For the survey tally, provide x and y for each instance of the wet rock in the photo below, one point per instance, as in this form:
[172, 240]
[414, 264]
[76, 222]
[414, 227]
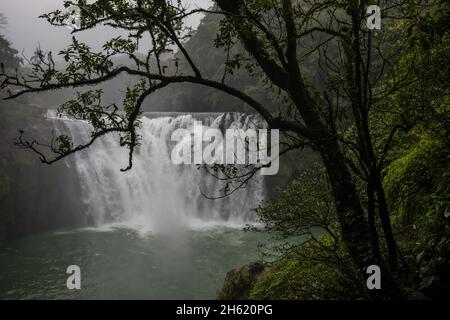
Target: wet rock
[239, 282]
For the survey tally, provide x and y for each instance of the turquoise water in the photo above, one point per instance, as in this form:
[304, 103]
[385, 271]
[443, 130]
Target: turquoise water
[124, 264]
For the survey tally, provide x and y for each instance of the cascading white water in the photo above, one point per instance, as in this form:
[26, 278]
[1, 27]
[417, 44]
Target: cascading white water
[157, 195]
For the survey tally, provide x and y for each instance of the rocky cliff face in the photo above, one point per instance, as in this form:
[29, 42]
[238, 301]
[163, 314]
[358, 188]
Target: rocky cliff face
[34, 197]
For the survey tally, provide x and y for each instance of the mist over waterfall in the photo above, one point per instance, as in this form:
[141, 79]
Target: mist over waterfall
[157, 195]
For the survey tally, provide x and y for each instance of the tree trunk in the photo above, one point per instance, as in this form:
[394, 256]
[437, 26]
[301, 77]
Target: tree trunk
[383, 212]
[372, 221]
[355, 228]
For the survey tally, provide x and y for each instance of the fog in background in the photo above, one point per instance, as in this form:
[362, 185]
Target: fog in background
[26, 31]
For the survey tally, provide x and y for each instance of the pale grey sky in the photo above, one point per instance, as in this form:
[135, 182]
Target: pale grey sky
[25, 30]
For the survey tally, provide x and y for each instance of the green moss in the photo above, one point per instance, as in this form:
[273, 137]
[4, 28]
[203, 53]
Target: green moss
[409, 180]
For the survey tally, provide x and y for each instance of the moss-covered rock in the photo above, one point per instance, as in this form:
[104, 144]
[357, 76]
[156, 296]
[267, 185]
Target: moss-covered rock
[239, 282]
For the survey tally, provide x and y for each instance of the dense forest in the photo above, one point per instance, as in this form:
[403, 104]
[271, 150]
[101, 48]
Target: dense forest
[364, 116]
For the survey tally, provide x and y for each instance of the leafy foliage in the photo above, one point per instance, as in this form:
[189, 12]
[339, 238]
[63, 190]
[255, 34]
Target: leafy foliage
[303, 208]
[313, 271]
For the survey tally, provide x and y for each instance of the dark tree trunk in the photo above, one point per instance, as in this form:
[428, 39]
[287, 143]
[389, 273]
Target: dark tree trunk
[355, 229]
[383, 212]
[372, 221]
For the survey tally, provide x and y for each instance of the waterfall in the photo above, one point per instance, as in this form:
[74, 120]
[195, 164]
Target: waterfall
[157, 195]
